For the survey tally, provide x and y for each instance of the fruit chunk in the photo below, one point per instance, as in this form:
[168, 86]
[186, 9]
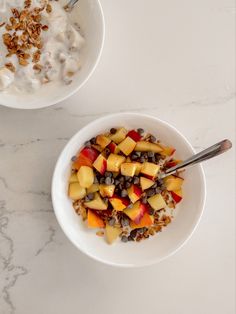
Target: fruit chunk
[103, 141]
[157, 202]
[167, 151]
[134, 193]
[73, 178]
[146, 221]
[85, 158]
[106, 190]
[100, 164]
[119, 203]
[177, 195]
[136, 212]
[146, 183]
[93, 188]
[113, 148]
[94, 221]
[172, 163]
[134, 135]
[85, 176]
[96, 203]
[76, 191]
[144, 146]
[114, 162]
[127, 146]
[138, 167]
[150, 169]
[119, 136]
[112, 233]
[128, 169]
[173, 183]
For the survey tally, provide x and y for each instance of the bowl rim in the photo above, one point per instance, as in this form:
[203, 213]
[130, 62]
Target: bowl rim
[154, 260]
[87, 77]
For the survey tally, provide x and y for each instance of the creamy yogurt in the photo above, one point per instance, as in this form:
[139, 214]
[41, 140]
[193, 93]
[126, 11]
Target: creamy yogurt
[60, 53]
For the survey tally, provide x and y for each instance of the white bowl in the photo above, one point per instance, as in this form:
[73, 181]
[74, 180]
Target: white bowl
[89, 15]
[155, 248]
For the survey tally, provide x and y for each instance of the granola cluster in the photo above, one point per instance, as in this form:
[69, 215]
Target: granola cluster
[23, 36]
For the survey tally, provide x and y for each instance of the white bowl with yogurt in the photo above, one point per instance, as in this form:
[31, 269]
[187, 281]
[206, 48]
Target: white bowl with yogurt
[71, 45]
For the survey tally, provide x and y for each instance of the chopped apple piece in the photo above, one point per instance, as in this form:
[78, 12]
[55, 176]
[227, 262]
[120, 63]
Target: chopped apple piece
[93, 188]
[113, 148]
[146, 221]
[167, 151]
[112, 233]
[157, 202]
[138, 167]
[128, 169]
[106, 190]
[96, 203]
[76, 191]
[114, 162]
[150, 170]
[94, 221]
[177, 195]
[85, 176]
[127, 146]
[134, 135]
[134, 193]
[173, 183]
[103, 141]
[146, 183]
[73, 178]
[144, 146]
[136, 212]
[119, 136]
[100, 164]
[85, 158]
[119, 203]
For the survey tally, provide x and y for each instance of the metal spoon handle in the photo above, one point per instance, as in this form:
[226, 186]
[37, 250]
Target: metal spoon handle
[69, 6]
[208, 153]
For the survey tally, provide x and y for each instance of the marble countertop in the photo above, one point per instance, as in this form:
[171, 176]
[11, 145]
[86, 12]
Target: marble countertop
[171, 59]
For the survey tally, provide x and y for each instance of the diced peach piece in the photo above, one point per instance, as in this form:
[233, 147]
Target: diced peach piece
[157, 202]
[112, 233]
[96, 203]
[73, 178]
[97, 147]
[76, 191]
[119, 203]
[136, 212]
[138, 167]
[143, 146]
[172, 163]
[113, 148]
[167, 150]
[85, 158]
[127, 146]
[134, 135]
[128, 159]
[177, 195]
[128, 169]
[100, 164]
[173, 183]
[119, 136]
[150, 169]
[106, 190]
[146, 183]
[146, 221]
[114, 162]
[94, 221]
[134, 193]
[93, 188]
[85, 176]
[103, 141]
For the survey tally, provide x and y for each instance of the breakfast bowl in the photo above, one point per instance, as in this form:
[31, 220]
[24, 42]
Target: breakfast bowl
[131, 254]
[64, 73]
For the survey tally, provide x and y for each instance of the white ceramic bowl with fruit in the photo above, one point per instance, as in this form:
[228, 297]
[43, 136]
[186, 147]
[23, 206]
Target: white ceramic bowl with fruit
[137, 210]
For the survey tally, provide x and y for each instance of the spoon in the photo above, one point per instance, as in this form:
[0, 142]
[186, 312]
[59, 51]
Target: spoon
[208, 153]
[69, 6]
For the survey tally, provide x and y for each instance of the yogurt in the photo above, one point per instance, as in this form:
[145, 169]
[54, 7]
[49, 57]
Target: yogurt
[60, 53]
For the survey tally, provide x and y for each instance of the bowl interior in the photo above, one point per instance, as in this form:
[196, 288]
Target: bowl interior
[88, 14]
[132, 253]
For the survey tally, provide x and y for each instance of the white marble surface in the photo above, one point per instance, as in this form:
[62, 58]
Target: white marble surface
[172, 59]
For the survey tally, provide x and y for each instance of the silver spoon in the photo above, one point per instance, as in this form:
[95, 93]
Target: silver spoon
[208, 153]
[69, 6]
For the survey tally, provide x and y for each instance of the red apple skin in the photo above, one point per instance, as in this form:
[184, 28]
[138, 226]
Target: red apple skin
[134, 135]
[89, 153]
[177, 198]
